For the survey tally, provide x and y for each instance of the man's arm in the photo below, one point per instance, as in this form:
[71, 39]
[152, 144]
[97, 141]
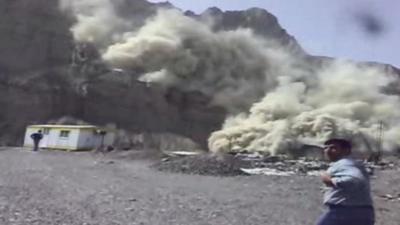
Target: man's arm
[347, 178]
[327, 179]
[346, 182]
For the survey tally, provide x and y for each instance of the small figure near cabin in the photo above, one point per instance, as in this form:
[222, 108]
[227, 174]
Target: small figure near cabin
[348, 196]
[36, 137]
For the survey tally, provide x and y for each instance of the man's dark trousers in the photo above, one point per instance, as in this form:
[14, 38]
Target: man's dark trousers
[36, 145]
[348, 216]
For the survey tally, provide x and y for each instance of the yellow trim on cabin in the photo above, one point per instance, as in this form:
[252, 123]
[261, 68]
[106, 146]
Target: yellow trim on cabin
[61, 148]
[59, 128]
[66, 129]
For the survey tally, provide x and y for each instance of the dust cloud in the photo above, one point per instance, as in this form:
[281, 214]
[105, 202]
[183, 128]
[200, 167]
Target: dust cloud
[346, 101]
[276, 100]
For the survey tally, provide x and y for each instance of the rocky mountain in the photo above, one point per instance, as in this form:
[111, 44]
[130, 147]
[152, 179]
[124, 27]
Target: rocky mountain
[41, 80]
[39, 83]
[259, 20]
[34, 36]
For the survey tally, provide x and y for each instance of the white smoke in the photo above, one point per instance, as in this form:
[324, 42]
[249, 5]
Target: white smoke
[185, 53]
[276, 101]
[345, 101]
[96, 21]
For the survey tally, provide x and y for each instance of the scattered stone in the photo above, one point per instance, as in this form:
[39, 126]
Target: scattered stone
[387, 197]
[204, 164]
[267, 171]
[181, 153]
[277, 165]
[272, 159]
[390, 197]
[249, 163]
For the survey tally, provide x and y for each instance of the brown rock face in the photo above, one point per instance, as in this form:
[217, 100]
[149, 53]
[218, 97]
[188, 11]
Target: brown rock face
[34, 36]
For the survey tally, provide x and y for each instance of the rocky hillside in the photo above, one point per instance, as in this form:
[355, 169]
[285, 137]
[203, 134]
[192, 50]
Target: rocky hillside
[41, 79]
[259, 20]
[39, 82]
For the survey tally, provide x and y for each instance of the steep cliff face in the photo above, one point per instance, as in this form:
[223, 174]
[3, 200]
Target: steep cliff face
[34, 36]
[35, 46]
[41, 78]
[259, 20]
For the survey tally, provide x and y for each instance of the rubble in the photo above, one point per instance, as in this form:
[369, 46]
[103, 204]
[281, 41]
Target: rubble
[281, 165]
[204, 164]
[382, 165]
[239, 164]
[267, 171]
[181, 153]
[389, 197]
[249, 164]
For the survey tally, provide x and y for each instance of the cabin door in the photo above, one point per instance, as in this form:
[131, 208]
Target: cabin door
[44, 143]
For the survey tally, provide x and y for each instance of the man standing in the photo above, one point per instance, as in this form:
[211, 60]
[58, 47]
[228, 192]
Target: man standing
[348, 197]
[36, 137]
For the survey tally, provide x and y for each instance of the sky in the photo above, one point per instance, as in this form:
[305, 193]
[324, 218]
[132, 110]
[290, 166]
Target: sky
[361, 30]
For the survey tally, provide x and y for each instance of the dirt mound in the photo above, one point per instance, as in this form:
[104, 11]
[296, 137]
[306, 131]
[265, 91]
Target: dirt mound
[135, 154]
[253, 164]
[204, 164]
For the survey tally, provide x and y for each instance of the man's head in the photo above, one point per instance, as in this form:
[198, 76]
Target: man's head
[39, 131]
[336, 149]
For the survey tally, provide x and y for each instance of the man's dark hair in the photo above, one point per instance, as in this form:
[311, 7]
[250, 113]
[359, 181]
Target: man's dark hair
[341, 143]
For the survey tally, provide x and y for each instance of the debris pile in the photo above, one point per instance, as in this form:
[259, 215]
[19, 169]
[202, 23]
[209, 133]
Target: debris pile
[281, 165]
[238, 164]
[389, 197]
[382, 165]
[203, 164]
[249, 164]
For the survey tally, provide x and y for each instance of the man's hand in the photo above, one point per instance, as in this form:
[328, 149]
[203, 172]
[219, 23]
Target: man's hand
[327, 179]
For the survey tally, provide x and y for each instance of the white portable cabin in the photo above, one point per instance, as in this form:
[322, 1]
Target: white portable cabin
[70, 137]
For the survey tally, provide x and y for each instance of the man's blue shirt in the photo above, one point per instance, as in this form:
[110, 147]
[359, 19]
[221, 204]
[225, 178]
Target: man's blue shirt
[351, 184]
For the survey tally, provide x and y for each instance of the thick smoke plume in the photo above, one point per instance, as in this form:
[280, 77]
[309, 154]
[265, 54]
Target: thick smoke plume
[234, 67]
[276, 101]
[96, 21]
[345, 101]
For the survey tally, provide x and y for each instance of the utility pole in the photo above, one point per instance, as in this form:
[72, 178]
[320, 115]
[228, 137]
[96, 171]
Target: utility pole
[379, 147]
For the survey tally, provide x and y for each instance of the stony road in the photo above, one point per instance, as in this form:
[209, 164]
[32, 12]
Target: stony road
[51, 187]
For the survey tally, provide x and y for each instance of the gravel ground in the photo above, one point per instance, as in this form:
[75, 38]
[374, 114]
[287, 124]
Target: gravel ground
[226, 165]
[81, 188]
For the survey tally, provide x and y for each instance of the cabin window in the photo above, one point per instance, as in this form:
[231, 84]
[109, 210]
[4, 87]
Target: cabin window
[64, 134]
